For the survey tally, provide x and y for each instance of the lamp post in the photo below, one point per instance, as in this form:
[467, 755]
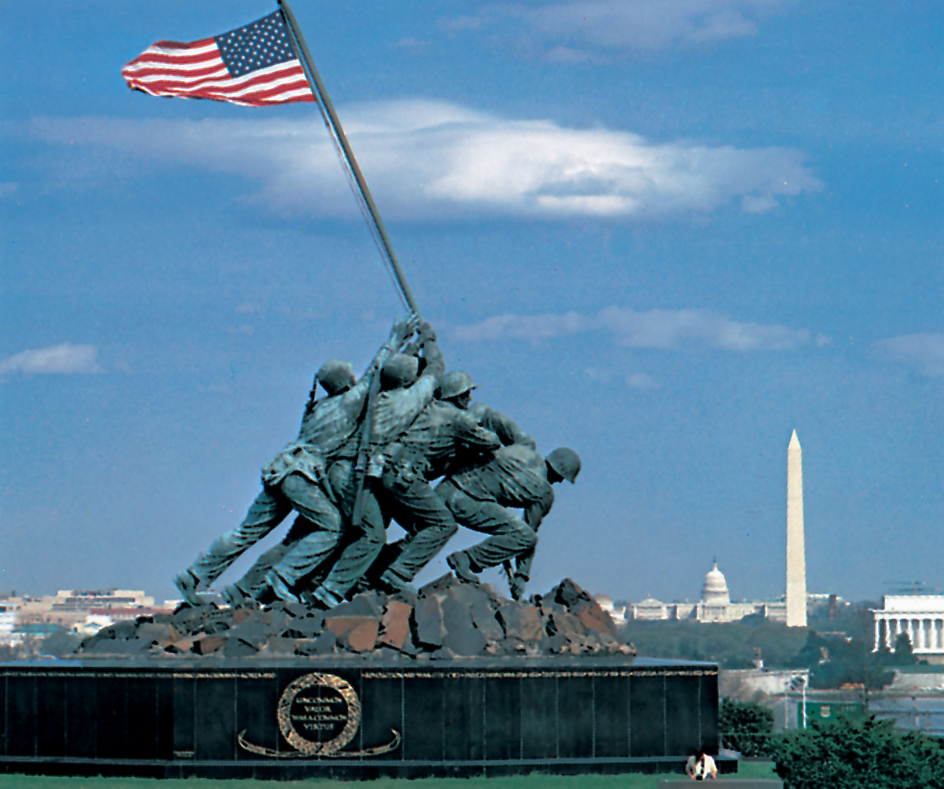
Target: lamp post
[804, 704]
[799, 683]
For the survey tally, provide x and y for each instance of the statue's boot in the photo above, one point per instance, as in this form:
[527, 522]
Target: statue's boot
[280, 588]
[462, 566]
[325, 598]
[186, 582]
[236, 597]
[395, 583]
[516, 587]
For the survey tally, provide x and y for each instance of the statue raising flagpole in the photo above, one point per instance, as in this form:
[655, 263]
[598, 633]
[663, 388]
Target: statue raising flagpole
[370, 449]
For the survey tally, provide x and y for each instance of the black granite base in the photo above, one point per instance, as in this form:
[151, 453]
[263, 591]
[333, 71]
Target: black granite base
[292, 720]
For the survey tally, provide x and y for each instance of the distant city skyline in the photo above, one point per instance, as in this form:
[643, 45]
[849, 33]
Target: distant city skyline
[684, 597]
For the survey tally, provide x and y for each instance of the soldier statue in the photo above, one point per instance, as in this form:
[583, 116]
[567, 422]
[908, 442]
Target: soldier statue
[449, 434]
[295, 480]
[405, 390]
[480, 498]
[441, 435]
[367, 454]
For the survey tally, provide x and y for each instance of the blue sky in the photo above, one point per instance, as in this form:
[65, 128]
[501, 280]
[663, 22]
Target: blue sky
[665, 233]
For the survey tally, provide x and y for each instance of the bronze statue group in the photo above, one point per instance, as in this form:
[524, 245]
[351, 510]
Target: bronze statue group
[368, 453]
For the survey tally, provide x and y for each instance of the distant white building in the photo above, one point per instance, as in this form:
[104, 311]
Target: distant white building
[715, 605]
[92, 624]
[617, 613]
[918, 616]
[105, 599]
[70, 607]
[8, 638]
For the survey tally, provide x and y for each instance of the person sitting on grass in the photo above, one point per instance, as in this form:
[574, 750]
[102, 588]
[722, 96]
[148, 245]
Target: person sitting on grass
[701, 767]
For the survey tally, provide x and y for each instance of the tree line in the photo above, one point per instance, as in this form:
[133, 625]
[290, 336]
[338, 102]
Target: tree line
[837, 651]
[845, 753]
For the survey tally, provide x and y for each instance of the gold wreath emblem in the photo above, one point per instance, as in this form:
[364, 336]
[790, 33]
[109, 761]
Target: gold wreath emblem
[320, 714]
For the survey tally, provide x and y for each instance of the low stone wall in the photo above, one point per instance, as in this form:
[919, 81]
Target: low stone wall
[323, 717]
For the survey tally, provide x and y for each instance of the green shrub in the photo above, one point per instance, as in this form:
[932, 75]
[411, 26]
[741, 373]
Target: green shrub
[858, 754]
[745, 726]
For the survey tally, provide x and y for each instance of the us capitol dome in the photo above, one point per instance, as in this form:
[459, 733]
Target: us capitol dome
[715, 589]
[715, 605]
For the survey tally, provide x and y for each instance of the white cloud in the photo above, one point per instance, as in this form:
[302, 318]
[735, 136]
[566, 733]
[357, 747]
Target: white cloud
[640, 381]
[632, 25]
[662, 329]
[567, 55]
[690, 328]
[64, 359]
[924, 352]
[465, 23]
[601, 375]
[8, 189]
[428, 160]
[414, 45]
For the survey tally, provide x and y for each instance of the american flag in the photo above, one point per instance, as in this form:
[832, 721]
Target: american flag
[253, 65]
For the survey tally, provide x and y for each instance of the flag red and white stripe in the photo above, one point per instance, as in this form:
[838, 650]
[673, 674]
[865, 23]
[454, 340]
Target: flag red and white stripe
[196, 70]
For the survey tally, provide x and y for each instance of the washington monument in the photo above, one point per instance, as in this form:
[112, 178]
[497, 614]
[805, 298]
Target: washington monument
[796, 553]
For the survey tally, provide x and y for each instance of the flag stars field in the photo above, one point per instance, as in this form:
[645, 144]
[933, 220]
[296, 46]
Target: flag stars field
[258, 45]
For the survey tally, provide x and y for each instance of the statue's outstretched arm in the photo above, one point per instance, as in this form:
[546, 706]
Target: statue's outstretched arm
[432, 356]
[402, 330]
[503, 426]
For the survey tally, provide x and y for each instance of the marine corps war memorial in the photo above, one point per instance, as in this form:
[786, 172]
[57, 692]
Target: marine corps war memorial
[325, 658]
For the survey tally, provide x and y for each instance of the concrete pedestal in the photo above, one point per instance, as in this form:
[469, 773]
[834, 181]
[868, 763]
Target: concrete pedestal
[355, 719]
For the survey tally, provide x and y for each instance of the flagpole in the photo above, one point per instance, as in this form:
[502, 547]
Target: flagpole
[321, 94]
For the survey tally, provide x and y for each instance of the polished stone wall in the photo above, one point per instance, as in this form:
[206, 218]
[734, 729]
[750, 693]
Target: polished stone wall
[348, 719]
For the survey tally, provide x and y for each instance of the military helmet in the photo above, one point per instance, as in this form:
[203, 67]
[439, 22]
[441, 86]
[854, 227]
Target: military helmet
[565, 462]
[455, 383]
[398, 371]
[335, 375]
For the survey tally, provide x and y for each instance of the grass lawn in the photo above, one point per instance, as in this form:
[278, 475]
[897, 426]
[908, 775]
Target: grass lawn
[625, 781]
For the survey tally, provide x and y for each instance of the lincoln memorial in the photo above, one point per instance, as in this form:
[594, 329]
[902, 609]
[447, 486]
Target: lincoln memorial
[920, 617]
